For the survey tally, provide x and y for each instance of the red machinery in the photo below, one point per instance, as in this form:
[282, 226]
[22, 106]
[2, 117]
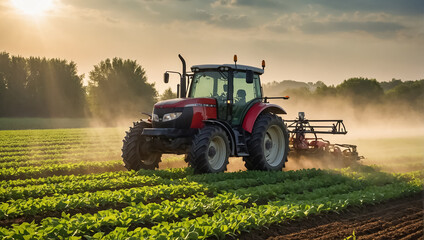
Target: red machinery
[300, 145]
[221, 112]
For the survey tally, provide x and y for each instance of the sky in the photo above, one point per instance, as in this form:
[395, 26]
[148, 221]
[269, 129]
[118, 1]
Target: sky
[308, 40]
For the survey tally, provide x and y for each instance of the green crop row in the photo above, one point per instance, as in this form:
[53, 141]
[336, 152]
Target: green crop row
[64, 149]
[61, 145]
[34, 140]
[29, 144]
[64, 178]
[231, 222]
[101, 198]
[152, 213]
[108, 220]
[46, 162]
[146, 177]
[36, 191]
[63, 184]
[59, 133]
[166, 173]
[87, 200]
[79, 155]
[196, 206]
[59, 169]
[12, 141]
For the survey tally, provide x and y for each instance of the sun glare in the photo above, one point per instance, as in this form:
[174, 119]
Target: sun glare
[33, 7]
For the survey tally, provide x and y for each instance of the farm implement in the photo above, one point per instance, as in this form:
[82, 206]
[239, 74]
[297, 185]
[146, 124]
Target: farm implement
[302, 146]
[220, 112]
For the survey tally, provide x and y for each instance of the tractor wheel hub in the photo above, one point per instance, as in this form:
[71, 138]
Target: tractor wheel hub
[268, 144]
[212, 152]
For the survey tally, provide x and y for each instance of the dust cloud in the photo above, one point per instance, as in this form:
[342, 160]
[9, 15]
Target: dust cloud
[388, 135]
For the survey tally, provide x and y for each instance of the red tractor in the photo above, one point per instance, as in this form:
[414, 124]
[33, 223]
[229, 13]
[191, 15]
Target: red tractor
[220, 113]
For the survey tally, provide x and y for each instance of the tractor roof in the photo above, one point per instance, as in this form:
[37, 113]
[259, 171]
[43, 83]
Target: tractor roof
[232, 66]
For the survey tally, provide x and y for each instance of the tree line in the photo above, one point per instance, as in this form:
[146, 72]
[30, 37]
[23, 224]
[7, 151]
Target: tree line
[118, 88]
[358, 90]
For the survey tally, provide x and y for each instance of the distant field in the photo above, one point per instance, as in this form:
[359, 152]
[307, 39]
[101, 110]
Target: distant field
[70, 184]
[393, 154]
[43, 123]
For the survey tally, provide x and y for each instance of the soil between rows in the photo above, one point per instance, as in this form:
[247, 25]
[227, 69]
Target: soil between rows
[395, 219]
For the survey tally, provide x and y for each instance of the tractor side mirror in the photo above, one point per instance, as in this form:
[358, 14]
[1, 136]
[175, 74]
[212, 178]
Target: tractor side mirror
[249, 76]
[166, 77]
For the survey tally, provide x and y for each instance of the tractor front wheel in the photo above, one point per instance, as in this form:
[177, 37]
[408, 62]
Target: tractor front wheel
[268, 145]
[135, 150]
[210, 150]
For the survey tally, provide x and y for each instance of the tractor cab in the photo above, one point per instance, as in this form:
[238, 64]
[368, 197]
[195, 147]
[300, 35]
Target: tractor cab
[235, 88]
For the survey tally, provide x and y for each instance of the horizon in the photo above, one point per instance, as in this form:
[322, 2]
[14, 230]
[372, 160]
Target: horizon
[306, 42]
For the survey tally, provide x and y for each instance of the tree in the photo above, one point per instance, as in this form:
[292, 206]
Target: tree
[389, 85]
[17, 100]
[325, 91]
[118, 89]
[54, 88]
[4, 72]
[168, 94]
[410, 92]
[361, 89]
[40, 87]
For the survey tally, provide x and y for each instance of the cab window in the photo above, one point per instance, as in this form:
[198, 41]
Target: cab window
[211, 84]
[244, 93]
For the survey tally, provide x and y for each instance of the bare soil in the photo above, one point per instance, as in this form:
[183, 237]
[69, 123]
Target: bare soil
[396, 219]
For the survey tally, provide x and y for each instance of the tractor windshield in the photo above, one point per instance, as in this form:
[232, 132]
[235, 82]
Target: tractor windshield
[209, 84]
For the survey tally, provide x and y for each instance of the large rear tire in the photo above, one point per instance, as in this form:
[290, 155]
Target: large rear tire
[268, 145]
[210, 150]
[135, 150]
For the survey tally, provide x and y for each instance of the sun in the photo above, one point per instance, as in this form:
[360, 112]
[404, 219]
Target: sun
[33, 7]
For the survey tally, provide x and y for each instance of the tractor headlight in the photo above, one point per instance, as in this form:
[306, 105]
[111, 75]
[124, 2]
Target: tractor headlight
[155, 117]
[171, 116]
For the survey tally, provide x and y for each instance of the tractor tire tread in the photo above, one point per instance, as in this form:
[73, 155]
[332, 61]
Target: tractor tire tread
[130, 154]
[197, 156]
[256, 160]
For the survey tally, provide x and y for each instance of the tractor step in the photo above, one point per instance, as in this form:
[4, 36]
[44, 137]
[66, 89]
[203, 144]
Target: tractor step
[241, 147]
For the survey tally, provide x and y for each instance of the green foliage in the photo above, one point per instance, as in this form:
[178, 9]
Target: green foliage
[168, 94]
[411, 92]
[390, 85]
[358, 91]
[231, 210]
[361, 89]
[163, 204]
[118, 88]
[40, 87]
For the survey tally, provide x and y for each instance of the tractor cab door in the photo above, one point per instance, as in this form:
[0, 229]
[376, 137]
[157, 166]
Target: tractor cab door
[213, 84]
[244, 95]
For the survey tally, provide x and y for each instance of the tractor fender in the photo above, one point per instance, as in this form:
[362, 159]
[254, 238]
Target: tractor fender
[227, 128]
[258, 108]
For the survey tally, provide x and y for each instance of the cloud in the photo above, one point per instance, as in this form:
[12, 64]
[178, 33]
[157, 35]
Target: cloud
[346, 26]
[231, 21]
[404, 7]
[259, 4]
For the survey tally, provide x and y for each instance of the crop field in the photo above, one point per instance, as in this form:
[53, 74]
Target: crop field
[70, 184]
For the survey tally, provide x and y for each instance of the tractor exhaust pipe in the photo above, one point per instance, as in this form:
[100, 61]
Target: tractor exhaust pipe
[183, 87]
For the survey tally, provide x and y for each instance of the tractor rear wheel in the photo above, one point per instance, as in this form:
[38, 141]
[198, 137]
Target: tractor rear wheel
[268, 145]
[210, 150]
[135, 151]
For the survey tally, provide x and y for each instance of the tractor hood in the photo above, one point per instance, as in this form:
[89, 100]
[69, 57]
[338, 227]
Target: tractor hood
[186, 102]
